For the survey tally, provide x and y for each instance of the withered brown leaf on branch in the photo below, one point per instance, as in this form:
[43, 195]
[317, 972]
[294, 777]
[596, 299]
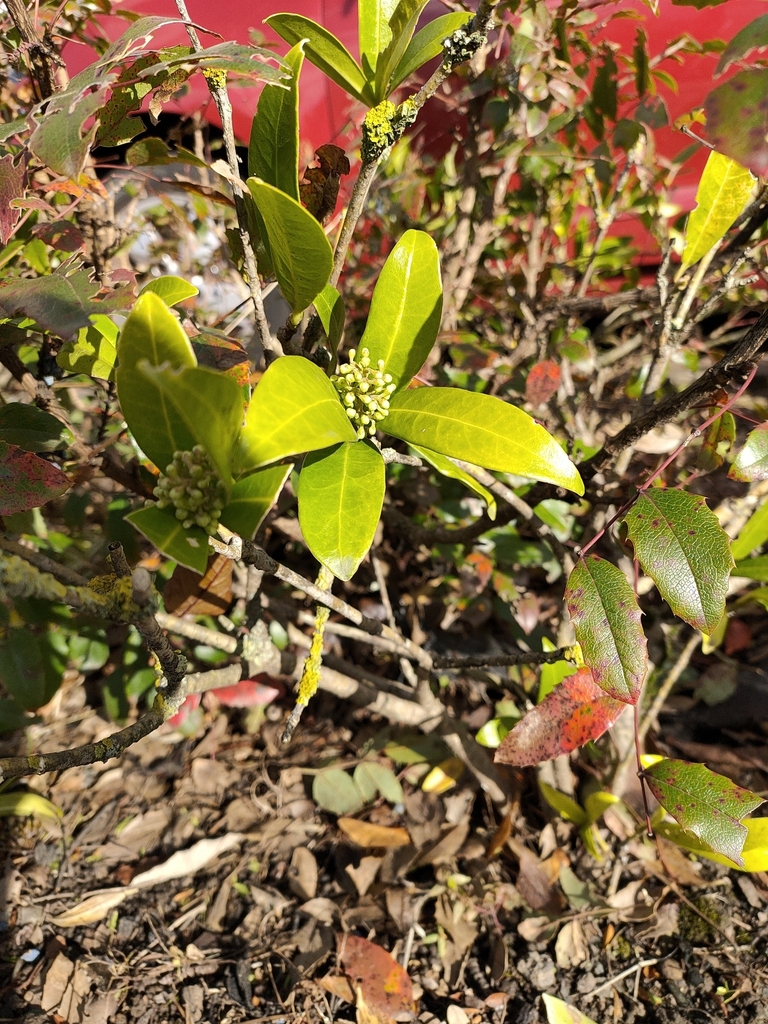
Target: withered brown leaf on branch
[320, 187]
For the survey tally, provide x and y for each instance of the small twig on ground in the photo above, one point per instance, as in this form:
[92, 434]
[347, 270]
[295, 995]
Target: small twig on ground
[620, 977]
[501, 660]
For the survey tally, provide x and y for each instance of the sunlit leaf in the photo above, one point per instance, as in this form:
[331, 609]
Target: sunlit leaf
[751, 464]
[23, 804]
[559, 1012]
[606, 620]
[330, 308]
[334, 791]
[171, 289]
[563, 804]
[754, 853]
[252, 497]
[426, 45]
[161, 527]
[752, 568]
[59, 303]
[325, 51]
[94, 352]
[401, 23]
[724, 190]
[382, 986]
[449, 468]
[753, 534]
[542, 382]
[683, 548]
[273, 152]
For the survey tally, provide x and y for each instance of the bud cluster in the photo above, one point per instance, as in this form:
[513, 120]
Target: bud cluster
[365, 391]
[191, 486]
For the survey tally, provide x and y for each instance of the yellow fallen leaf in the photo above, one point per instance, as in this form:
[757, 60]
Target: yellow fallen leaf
[444, 776]
[369, 836]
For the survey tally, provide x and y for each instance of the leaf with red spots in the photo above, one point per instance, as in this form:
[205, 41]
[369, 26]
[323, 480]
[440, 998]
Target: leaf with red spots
[542, 382]
[702, 802]
[751, 464]
[381, 985]
[606, 620]
[27, 481]
[683, 548]
[737, 119]
[572, 714]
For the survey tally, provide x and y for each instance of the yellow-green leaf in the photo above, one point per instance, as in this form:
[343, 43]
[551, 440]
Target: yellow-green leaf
[559, 1012]
[25, 805]
[724, 190]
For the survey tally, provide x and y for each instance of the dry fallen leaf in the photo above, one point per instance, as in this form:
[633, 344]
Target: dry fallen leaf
[94, 908]
[371, 837]
[302, 874]
[383, 989]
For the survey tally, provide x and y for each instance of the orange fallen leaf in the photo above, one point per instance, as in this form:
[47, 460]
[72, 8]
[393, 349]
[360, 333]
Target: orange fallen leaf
[383, 989]
[369, 836]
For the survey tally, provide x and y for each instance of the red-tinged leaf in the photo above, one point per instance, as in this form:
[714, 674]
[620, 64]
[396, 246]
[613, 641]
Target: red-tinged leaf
[737, 119]
[384, 986]
[683, 548]
[27, 481]
[572, 714]
[542, 382]
[186, 594]
[12, 181]
[249, 693]
[226, 354]
[751, 463]
[191, 703]
[606, 619]
[702, 802]
[61, 235]
[58, 303]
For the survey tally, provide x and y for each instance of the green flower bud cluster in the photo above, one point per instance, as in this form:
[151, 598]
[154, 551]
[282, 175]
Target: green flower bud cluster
[365, 391]
[191, 486]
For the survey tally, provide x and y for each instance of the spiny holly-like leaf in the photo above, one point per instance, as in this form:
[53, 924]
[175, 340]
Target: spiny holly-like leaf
[12, 180]
[751, 463]
[723, 192]
[575, 712]
[606, 619]
[707, 804]
[542, 382]
[27, 481]
[686, 552]
[737, 119]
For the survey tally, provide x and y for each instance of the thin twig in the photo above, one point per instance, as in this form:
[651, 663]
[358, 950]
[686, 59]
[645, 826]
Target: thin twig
[620, 977]
[500, 660]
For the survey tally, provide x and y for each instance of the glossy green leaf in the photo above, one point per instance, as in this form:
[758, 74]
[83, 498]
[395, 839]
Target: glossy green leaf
[294, 409]
[752, 568]
[737, 119]
[330, 308]
[426, 45]
[334, 791]
[449, 468]
[483, 430]
[252, 497]
[754, 853]
[683, 548]
[559, 1012]
[606, 620]
[27, 481]
[161, 528]
[707, 804]
[724, 190]
[23, 804]
[171, 289]
[751, 464]
[563, 804]
[209, 403]
[273, 151]
[753, 534]
[30, 668]
[402, 24]
[153, 333]
[94, 352]
[406, 307]
[30, 429]
[325, 51]
[341, 492]
[374, 33]
[300, 253]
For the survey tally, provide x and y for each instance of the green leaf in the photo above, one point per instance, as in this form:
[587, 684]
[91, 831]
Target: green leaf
[707, 804]
[12, 717]
[30, 428]
[171, 289]
[23, 804]
[426, 45]
[330, 308]
[95, 350]
[483, 430]
[294, 409]
[374, 33]
[334, 791]
[596, 804]
[553, 674]
[372, 778]
[30, 668]
[606, 620]
[406, 307]
[153, 333]
[300, 253]
[209, 403]
[449, 468]
[752, 568]
[252, 497]
[154, 152]
[27, 481]
[737, 123]
[753, 534]
[402, 25]
[341, 492]
[751, 464]
[161, 528]
[752, 36]
[686, 552]
[273, 151]
[564, 805]
[724, 190]
[61, 141]
[698, 4]
[325, 51]
[559, 1012]
[754, 854]
[58, 303]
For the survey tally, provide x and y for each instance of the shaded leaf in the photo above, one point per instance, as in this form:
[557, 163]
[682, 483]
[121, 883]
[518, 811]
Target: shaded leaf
[683, 548]
[161, 528]
[61, 235]
[294, 409]
[218, 351]
[563, 804]
[93, 908]
[334, 791]
[606, 620]
[373, 778]
[252, 497]
[273, 151]
[30, 668]
[377, 979]
[483, 430]
[753, 534]
[341, 492]
[94, 352]
[426, 45]
[330, 308]
[171, 289]
[240, 58]
[12, 182]
[27, 481]
[61, 141]
[449, 468]
[575, 712]
[542, 382]
[56, 302]
[30, 428]
[751, 464]
[737, 119]
[702, 802]
[325, 51]
[724, 190]
[155, 152]
[698, 4]
[12, 716]
[752, 568]
[186, 594]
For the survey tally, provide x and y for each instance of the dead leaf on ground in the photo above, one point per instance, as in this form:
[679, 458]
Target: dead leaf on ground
[94, 908]
[537, 882]
[382, 987]
[372, 837]
[364, 875]
[302, 874]
[571, 947]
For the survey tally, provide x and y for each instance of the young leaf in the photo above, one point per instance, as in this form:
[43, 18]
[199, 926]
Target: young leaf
[95, 350]
[737, 123]
[606, 620]
[161, 527]
[30, 428]
[426, 45]
[686, 552]
[724, 190]
[752, 568]
[171, 289]
[707, 804]
[564, 805]
[341, 491]
[299, 251]
[406, 307]
[325, 51]
[753, 534]
[330, 308]
[402, 24]
[294, 409]
[449, 468]
[251, 499]
[374, 33]
[559, 1012]
[483, 430]
[273, 151]
[27, 481]
[574, 713]
[751, 464]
